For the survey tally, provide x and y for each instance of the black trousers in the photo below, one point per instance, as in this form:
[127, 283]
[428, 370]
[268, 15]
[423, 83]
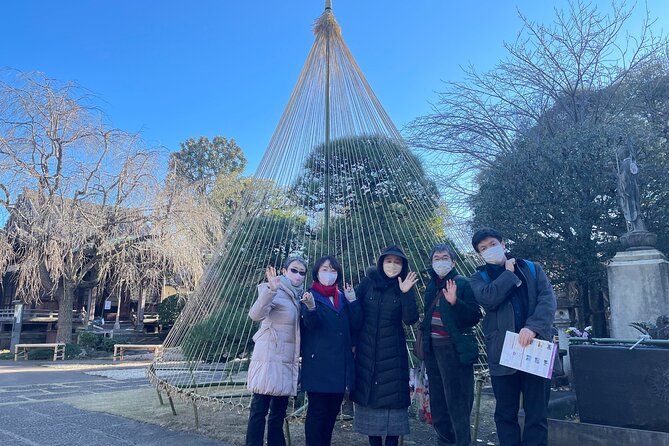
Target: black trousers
[451, 387]
[255, 430]
[321, 417]
[378, 441]
[535, 403]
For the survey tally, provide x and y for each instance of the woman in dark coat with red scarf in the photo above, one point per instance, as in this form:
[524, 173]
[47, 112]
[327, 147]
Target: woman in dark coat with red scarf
[328, 319]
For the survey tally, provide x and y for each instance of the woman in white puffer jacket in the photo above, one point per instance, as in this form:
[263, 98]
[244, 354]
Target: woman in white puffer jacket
[274, 367]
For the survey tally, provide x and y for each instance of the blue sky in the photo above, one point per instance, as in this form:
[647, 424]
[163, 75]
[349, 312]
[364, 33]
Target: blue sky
[175, 69]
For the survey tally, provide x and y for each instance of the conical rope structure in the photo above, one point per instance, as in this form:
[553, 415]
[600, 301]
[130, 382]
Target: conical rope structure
[337, 178]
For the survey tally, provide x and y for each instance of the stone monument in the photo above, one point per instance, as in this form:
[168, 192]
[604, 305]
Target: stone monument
[638, 276]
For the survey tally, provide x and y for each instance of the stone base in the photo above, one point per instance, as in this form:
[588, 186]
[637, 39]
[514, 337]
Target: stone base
[570, 433]
[638, 289]
[638, 240]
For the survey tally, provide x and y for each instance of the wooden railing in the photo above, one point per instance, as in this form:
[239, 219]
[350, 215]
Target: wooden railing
[7, 314]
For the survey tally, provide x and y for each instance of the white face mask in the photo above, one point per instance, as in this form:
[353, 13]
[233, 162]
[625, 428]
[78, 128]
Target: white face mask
[442, 267]
[327, 278]
[494, 255]
[392, 269]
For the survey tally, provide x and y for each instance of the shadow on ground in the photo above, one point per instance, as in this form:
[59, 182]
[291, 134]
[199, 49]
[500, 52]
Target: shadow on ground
[229, 425]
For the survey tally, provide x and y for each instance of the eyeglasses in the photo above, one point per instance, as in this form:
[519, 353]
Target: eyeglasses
[301, 273]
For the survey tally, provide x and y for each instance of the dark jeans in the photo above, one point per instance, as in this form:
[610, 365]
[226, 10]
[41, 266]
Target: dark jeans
[321, 417]
[255, 431]
[535, 403]
[451, 389]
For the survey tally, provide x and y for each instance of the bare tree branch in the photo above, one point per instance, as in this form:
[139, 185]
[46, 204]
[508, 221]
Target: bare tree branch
[83, 200]
[548, 67]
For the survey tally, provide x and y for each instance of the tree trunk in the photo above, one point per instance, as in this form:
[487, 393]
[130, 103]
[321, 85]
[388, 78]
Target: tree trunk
[93, 303]
[117, 324]
[86, 309]
[65, 305]
[141, 302]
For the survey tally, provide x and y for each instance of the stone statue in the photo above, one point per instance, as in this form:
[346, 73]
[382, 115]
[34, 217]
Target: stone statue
[628, 189]
[637, 236]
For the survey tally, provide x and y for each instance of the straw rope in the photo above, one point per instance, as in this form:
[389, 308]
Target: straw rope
[377, 192]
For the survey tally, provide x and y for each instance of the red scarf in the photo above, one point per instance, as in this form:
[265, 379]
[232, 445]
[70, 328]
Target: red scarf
[328, 291]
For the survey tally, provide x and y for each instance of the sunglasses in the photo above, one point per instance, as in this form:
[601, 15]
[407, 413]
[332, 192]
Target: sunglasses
[294, 271]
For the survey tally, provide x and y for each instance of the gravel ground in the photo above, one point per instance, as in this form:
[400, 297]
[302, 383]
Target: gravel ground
[229, 424]
[122, 389]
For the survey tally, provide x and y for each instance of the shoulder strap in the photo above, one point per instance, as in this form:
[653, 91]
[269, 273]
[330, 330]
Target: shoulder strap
[532, 267]
[434, 304]
[428, 310]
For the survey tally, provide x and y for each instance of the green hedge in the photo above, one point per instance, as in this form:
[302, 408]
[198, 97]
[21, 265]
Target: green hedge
[224, 335]
[170, 309]
[99, 342]
[41, 354]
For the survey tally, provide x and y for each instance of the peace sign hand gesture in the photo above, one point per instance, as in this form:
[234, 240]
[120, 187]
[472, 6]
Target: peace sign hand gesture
[308, 300]
[406, 284]
[349, 292]
[272, 278]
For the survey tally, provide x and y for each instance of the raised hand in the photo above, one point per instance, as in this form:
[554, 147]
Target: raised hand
[272, 278]
[510, 264]
[349, 292]
[450, 292]
[308, 300]
[406, 284]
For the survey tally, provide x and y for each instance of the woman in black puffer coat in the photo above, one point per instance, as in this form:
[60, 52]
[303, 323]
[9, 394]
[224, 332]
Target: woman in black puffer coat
[382, 364]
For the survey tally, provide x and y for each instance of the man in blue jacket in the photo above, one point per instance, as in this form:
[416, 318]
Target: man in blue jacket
[517, 297]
